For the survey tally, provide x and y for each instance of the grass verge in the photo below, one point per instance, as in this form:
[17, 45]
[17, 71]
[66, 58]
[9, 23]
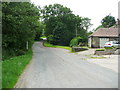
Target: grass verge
[98, 57]
[12, 69]
[95, 57]
[100, 49]
[46, 44]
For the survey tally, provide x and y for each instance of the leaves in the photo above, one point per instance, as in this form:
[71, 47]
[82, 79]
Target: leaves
[19, 23]
[108, 21]
[62, 24]
[75, 41]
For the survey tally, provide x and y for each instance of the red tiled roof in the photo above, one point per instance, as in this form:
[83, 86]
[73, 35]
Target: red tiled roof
[106, 32]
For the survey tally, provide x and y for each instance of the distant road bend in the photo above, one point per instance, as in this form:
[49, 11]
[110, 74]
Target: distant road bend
[57, 68]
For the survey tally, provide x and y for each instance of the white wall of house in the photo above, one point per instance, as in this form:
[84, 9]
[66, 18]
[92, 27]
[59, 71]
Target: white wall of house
[95, 42]
[100, 41]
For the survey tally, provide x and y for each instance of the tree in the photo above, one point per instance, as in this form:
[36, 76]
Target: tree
[39, 31]
[20, 20]
[54, 11]
[86, 23]
[75, 41]
[62, 25]
[108, 21]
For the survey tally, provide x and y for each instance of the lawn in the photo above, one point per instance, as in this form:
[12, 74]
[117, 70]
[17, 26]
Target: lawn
[12, 69]
[100, 49]
[46, 44]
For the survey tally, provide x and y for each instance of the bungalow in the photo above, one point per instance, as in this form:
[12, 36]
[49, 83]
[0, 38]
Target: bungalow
[102, 35]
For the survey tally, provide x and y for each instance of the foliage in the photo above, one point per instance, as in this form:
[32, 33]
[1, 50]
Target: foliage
[89, 33]
[75, 41]
[86, 23]
[62, 24]
[54, 11]
[50, 38]
[13, 67]
[46, 44]
[108, 21]
[20, 21]
[39, 31]
[43, 37]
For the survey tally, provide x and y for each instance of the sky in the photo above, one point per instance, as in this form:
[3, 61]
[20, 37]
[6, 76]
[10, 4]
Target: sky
[93, 9]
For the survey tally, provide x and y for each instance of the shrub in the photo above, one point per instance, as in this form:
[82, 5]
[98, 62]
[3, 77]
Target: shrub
[75, 41]
[20, 52]
[7, 53]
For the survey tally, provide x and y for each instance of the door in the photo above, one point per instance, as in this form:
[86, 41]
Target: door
[103, 41]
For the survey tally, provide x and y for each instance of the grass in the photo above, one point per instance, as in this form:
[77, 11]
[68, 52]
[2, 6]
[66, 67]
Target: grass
[12, 69]
[95, 57]
[46, 44]
[100, 49]
[109, 47]
[101, 57]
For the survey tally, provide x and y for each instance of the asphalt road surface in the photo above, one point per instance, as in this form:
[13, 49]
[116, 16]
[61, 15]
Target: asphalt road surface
[57, 68]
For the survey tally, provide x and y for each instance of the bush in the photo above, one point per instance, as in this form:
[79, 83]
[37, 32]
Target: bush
[75, 41]
[7, 53]
[20, 52]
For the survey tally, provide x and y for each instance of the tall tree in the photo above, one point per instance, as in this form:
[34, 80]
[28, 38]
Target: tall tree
[108, 21]
[20, 20]
[62, 25]
[54, 11]
[86, 23]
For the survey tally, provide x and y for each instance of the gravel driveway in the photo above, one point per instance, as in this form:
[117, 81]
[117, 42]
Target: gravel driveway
[57, 68]
[107, 61]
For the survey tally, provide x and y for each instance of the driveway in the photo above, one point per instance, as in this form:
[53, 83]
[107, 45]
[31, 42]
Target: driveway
[107, 61]
[57, 68]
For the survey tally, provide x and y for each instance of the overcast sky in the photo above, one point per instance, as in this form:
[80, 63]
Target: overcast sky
[93, 9]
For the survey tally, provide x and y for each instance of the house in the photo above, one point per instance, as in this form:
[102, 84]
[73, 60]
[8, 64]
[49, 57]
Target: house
[102, 35]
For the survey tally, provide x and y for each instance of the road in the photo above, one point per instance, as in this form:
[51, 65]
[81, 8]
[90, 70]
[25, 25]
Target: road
[57, 68]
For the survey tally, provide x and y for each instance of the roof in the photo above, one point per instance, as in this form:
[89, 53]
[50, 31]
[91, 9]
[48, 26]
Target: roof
[106, 32]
